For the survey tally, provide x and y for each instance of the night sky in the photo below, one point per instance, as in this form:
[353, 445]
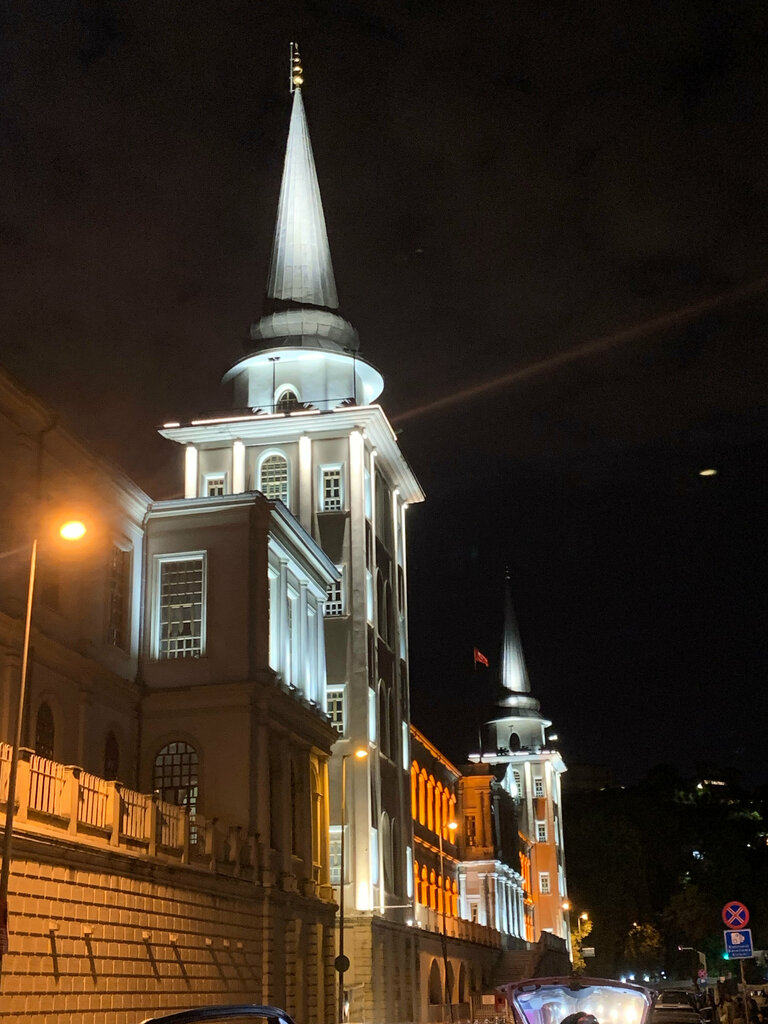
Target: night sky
[573, 190]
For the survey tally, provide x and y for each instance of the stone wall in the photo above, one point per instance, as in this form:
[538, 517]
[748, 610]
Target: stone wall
[100, 936]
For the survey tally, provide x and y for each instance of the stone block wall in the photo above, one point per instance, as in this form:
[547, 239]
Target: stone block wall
[104, 938]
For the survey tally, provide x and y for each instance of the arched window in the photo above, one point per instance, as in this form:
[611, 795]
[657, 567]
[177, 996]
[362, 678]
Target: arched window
[431, 804]
[273, 478]
[447, 897]
[433, 890]
[381, 608]
[416, 882]
[414, 791]
[423, 797]
[449, 983]
[295, 802]
[287, 400]
[463, 984]
[514, 742]
[44, 731]
[424, 886]
[175, 776]
[435, 986]
[396, 859]
[455, 899]
[439, 894]
[111, 757]
[438, 806]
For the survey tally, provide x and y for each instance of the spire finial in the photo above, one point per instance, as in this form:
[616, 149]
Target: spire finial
[297, 69]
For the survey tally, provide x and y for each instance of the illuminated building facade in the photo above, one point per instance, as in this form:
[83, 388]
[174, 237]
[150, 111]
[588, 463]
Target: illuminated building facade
[306, 432]
[173, 783]
[530, 771]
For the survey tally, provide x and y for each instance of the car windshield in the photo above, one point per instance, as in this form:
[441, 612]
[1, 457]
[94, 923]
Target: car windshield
[552, 1003]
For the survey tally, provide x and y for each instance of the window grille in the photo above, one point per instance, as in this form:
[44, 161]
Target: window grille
[335, 706]
[214, 486]
[544, 882]
[274, 478]
[541, 831]
[175, 776]
[471, 829]
[538, 787]
[334, 605]
[332, 489]
[181, 608]
[119, 582]
[287, 402]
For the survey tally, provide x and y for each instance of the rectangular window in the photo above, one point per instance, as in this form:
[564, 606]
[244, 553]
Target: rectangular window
[215, 485]
[369, 595]
[541, 831]
[470, 829]
[538, 787]
[544, 882]
[119, 598]
[474, 911]
[334, 605]
[335, 854]
[180, 606]
[330, 489]
[336, 709]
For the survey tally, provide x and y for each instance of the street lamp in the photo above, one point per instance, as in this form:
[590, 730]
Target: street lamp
[452, 826]
[70, 530]
[342, 962]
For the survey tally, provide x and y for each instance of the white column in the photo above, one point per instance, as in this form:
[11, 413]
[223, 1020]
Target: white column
[284, 637]
[305, 482]
[304, 666]
[190, 471]
[238, 467]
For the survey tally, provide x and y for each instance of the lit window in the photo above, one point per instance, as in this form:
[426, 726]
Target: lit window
[544, 882]
[288, 401]
[330, 489]
[119, 600]
[180, 625]
[273, 478]
[215, 486]
[471, 829]
[334, 605]
[175, 775]
[474, 912]
[541, 831]
[335, 706]
[538, 787]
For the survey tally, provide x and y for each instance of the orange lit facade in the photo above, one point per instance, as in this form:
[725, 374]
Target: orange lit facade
[473, 871]
[434, 786]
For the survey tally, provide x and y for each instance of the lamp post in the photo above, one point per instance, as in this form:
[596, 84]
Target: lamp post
[342, 961]
[452, 826]
[71, 530]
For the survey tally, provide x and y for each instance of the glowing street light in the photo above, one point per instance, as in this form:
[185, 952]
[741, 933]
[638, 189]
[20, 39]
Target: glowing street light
[342, 962]
[70, 530]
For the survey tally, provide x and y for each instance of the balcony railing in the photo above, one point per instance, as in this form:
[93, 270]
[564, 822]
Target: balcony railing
[55, 799]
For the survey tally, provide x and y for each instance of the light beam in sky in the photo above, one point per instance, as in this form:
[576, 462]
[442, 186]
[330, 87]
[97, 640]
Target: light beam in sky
[589, 348]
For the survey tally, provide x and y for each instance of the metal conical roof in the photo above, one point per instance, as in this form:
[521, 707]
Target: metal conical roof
[514, 675]
[300, 270]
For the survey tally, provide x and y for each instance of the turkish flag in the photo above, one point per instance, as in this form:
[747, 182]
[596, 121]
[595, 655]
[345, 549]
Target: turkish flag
[480, 658]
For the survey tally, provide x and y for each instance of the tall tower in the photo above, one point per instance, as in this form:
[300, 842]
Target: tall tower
[517, 739]
[306, 430]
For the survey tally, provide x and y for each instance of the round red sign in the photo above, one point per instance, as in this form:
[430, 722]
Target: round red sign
[735, 915]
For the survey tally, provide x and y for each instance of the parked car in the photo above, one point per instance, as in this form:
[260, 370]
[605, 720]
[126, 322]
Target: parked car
[244, 1014]
[578, 1001]
[676, 997]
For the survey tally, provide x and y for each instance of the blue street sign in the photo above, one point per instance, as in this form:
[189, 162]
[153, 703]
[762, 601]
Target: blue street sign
[738, 943]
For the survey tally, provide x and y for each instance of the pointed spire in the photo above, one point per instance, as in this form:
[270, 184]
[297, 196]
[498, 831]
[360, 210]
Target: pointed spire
[300, 271]
[514, 675]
